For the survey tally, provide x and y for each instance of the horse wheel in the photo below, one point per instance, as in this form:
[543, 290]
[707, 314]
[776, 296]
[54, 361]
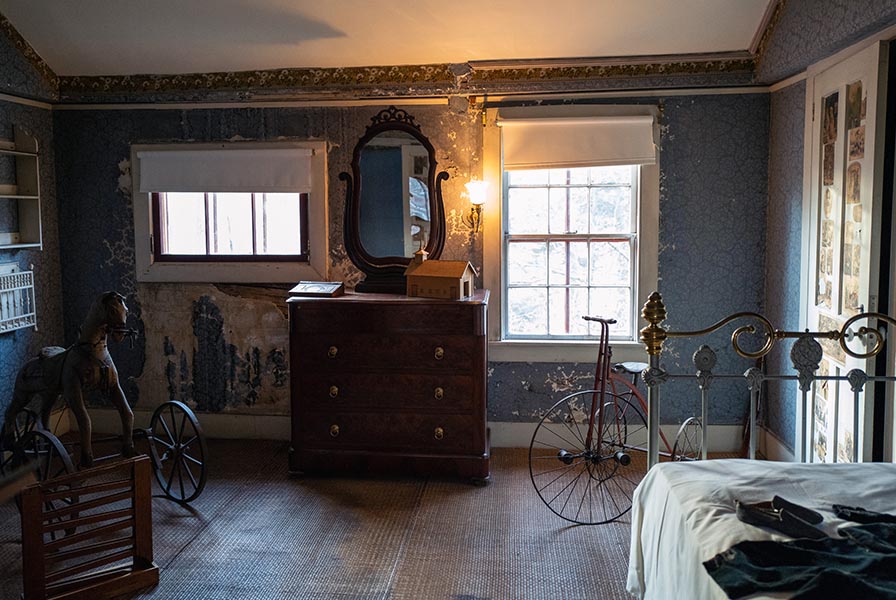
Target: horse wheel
[178, 451]
[588, 483]
[689, 440]
[50, 460]
[25, 420]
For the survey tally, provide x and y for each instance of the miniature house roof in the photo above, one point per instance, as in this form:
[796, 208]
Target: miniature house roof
[440, 268]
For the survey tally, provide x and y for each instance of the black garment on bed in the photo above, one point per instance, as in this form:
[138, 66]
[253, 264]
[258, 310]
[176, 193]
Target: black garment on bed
[861, 564]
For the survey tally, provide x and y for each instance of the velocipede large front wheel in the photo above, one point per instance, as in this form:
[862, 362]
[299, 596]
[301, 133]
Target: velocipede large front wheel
[177, 447]
[588, 483]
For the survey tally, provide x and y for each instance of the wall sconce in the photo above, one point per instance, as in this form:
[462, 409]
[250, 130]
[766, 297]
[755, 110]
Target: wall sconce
[477, 191]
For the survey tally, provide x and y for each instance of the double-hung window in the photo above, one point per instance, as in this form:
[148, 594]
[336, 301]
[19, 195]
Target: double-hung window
[578, 222]
[230, 212]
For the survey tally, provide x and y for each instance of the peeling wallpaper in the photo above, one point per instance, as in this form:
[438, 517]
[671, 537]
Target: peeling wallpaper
[225, 353]
[810, 30]
[16, 347]
[785, 205]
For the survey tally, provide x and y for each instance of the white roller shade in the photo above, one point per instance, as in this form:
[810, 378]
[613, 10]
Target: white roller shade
[226, 170]
[567, 142]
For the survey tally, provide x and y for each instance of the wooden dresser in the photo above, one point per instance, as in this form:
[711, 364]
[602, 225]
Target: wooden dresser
[389, 383]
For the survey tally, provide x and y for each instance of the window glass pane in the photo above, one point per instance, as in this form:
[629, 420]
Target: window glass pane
[277, 226]
[527, 210]
[537, 177]
[610, 263]
[611, 303]
[527, 263]
[558, 317]
[578, 210]
[527, 311]
[611, 209]
[558, 262]
[183, 223]
[558, 176]
[230, 223]
[611, 175]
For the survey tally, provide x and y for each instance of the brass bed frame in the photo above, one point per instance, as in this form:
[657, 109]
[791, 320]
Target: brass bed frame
[806, 356]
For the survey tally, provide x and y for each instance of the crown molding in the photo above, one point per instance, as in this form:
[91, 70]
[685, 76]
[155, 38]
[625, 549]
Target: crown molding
[770, 21]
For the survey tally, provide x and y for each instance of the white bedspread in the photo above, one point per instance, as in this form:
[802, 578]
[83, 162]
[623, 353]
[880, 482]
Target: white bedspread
[683, 514]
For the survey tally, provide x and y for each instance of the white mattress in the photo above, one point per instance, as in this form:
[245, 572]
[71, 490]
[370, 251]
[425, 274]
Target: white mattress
[683, 514]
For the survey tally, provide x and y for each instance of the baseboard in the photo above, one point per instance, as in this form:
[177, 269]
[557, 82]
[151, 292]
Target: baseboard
[722, 438]
[214, 425]
[772, 448]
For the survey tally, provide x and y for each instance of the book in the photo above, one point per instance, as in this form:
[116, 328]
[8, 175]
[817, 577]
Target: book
[320, 289]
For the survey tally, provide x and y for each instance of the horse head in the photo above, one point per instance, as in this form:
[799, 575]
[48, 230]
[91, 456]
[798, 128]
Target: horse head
[114, 316]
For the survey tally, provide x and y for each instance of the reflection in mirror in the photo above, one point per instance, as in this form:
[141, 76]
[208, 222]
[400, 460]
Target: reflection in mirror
[394, 206]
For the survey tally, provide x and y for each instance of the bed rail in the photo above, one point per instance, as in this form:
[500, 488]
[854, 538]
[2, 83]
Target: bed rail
[805, 356]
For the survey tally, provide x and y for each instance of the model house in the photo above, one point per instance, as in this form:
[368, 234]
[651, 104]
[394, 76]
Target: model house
[202, 159]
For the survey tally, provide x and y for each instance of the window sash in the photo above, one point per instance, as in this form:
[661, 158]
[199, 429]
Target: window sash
[159, 232]
[631, 238]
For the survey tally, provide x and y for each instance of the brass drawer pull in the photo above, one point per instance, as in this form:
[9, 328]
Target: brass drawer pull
[439, 433]
[332, 351]
[334, 391]
[438, 393]
[439, 353]
[334, 430]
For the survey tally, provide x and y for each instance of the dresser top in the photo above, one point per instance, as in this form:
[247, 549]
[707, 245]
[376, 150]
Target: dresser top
[478, 297]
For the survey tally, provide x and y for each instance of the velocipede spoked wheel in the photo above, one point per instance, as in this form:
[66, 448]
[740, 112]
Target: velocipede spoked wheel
[177, 448]
[50, 459]
[582, 482]
[689, 440]
[25, 420]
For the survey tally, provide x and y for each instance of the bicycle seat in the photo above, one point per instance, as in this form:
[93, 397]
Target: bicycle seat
[632, 368]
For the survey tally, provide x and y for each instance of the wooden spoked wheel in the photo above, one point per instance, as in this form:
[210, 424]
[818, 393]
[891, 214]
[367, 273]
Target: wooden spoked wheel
[178, 451]
[25, 420]
[689, 440]
[50, 459]
[588, 482]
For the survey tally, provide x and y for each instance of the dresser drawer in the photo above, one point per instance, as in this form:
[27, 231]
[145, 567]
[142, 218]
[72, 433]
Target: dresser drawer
[350, 391]
[409, 317]
[316, 352]
[421, 433]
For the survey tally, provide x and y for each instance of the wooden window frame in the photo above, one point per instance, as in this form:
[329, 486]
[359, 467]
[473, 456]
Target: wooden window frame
[158, 233]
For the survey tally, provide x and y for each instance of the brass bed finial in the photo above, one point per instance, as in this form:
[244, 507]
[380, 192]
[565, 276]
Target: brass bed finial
[654, 312]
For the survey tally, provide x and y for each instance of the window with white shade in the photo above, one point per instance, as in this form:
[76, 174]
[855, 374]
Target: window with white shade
[577, 236]
[201, 208]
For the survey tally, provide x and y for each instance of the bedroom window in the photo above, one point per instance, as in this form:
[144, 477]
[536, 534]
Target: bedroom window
[571, 249]
[241, 226]
[236, 212]
[572, 227]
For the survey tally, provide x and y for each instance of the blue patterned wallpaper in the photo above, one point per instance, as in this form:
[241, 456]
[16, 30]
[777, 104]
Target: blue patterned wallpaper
[16, 347]
[810, 30]
[785, 205]
[714, 158]
[18, 76]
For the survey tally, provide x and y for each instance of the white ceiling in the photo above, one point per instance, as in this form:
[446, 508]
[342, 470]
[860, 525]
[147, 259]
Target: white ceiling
[121, 37]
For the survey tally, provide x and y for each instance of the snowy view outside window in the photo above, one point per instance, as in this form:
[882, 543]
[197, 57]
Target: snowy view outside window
[230, 224]
[570, 250]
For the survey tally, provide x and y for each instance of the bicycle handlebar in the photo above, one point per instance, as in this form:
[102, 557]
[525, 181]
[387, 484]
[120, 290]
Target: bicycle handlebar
[599, 319]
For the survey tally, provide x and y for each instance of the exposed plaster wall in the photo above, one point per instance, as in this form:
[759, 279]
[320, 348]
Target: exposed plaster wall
[219, 348]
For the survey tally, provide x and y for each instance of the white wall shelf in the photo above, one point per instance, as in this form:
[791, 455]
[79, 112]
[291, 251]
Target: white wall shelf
[25, 193]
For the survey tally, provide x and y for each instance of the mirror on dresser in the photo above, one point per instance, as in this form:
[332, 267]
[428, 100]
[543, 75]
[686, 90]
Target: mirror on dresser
[393, 203]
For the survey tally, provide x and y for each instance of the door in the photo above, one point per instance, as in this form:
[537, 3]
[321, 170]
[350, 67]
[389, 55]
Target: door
[844, 240]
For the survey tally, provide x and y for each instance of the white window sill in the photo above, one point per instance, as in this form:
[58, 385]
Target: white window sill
[251, 272]
[556, 351]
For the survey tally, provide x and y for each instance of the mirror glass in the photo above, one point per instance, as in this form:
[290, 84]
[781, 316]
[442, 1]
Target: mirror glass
[394, 206]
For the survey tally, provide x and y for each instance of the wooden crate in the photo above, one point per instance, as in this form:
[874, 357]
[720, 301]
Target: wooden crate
[89, 534]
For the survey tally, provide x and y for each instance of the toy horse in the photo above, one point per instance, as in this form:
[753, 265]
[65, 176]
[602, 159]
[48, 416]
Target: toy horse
[72, 371]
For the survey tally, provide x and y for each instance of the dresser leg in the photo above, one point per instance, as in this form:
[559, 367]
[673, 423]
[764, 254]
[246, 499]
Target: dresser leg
[480, 481]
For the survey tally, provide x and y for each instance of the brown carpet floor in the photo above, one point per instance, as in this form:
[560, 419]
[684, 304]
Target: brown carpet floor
[255, 533]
